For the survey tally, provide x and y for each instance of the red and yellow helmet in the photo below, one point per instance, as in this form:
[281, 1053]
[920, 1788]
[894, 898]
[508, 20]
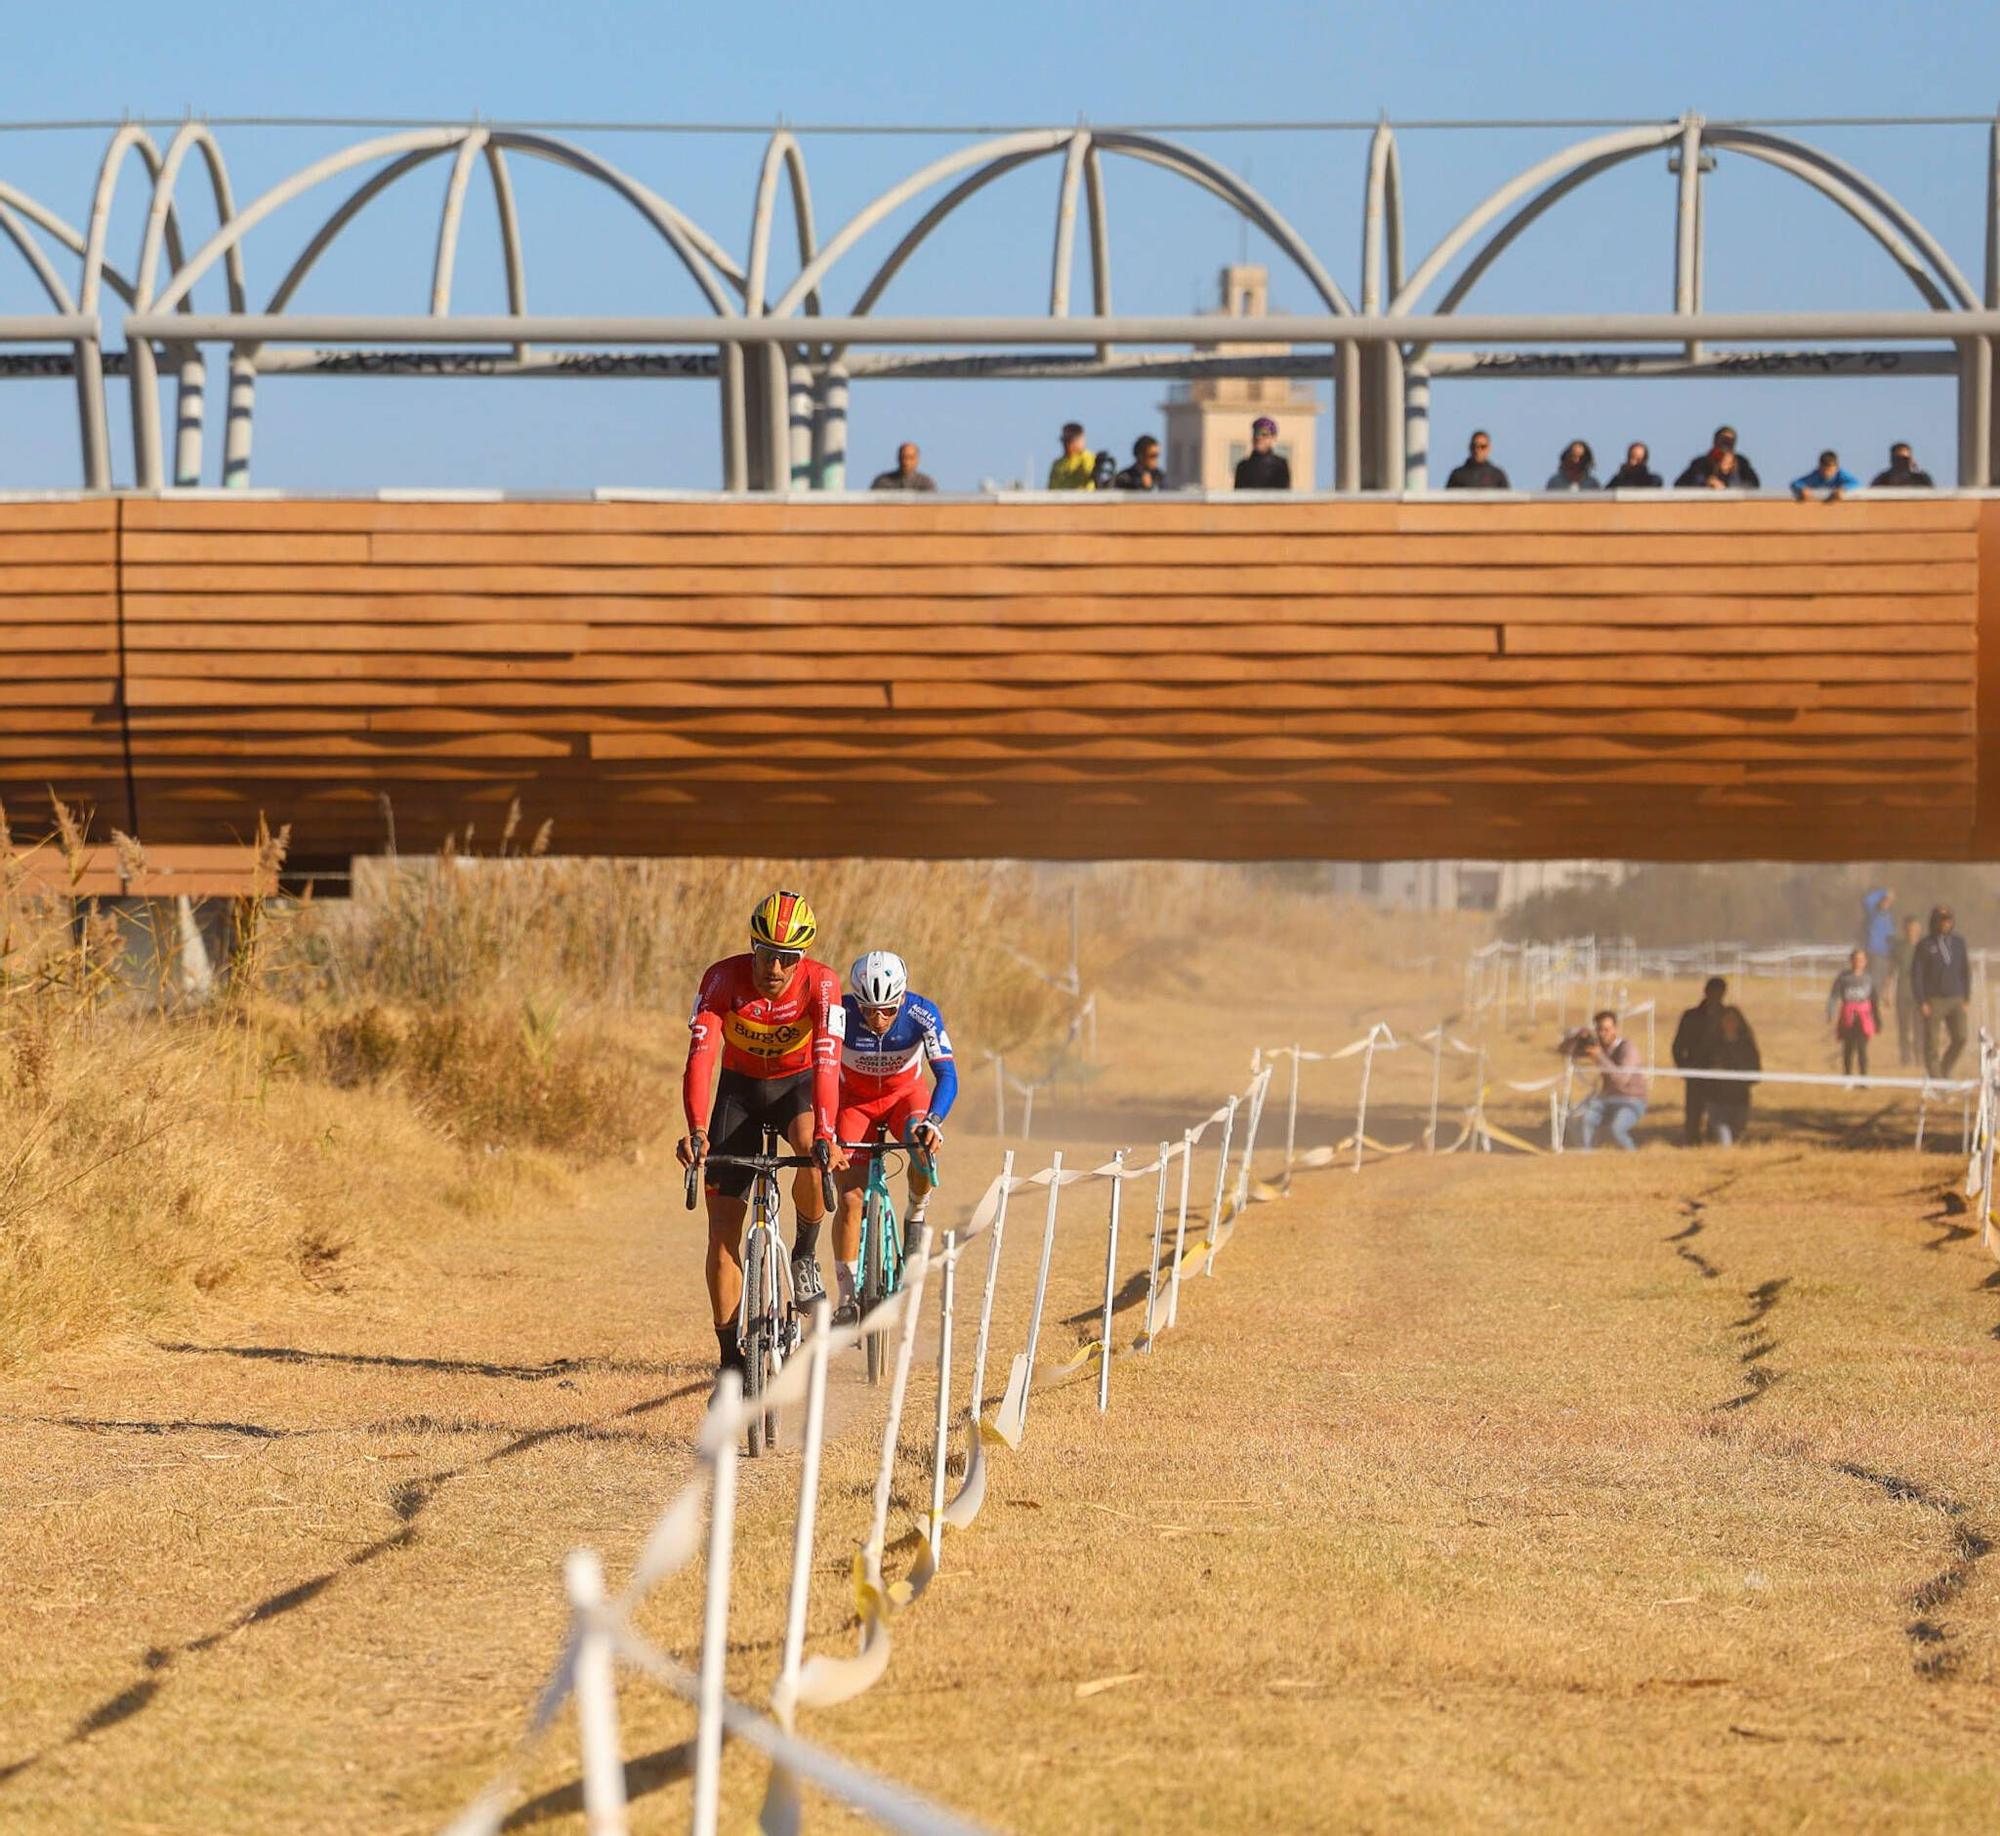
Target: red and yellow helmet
[784, 922]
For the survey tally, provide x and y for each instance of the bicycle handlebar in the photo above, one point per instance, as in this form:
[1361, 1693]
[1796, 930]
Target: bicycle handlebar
[767, 1163]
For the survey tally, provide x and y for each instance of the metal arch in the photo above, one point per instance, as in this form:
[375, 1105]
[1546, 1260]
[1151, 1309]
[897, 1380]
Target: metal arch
[65, 233]
[510, 234]
[37, 259]
[162, 228]
[919, 232]
[450, 217]
[787, 430]
[1065, 249]
[1100, 240]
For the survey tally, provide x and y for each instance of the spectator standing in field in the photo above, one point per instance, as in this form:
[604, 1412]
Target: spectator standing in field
[1621, 1095]
[1941, 977]
[1878, 928]
[1852, 1005]
[1902, 474]
[1576, 470]
[1144, 473]
[1637, 473]
[1075, 467]
[905, 477]
[1829, 478]
[1902, 960]
[1729, 1097]
[1478, 473]
[1263, 467]
[1737, 473]
[1694, 1050]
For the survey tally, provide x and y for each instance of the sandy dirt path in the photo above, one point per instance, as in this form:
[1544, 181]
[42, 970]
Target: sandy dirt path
[1647, 1494]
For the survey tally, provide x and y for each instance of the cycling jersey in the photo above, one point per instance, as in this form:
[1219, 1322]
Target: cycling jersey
[762, 1036]
[882, 1064]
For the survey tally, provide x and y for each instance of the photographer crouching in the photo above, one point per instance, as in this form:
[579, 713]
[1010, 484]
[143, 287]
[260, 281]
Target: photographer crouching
[1620, 1099]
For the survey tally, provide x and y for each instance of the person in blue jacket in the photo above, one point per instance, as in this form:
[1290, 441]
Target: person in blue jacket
[1830, 479]
[1878, 929]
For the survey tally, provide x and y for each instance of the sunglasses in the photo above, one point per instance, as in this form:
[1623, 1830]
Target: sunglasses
[770, 953]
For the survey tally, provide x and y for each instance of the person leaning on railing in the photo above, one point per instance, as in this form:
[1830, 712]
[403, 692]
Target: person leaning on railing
[1478, 472]
[1902, 473]
[905, 477]
[1263, 467]
[1637, 473]
[1829, 480]
[1721, 468]
[1576, 470]
[1075, 467]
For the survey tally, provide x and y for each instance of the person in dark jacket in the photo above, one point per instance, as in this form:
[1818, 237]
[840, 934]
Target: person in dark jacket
[1729, 1098]
[905, 477]
[1738, 474]
[1478, 473]
[1941, 977]
[1263, 468]
[1902, 474]
[1694, 1050]
[1902, 963]
[1637, 473]
[1576, 470]
[1853, 1005]
[1144, 473]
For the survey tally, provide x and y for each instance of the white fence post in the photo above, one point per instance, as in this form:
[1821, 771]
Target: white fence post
[992, 1280]
[913, 1298]
[1012, 1417]
[1221, 1185]
[999, 1095]
[1555, 1123]
[1180, 1231]
[1437, 1080]
[1292, 1119]
[1361, 1108]
[1028, 1113]
[1258, 1090]
[1153, 1267]
[1110, 1281]
[1923, 1110]
[596, 1697]
[944, 1391]
[721, 1432]
[786, 1694]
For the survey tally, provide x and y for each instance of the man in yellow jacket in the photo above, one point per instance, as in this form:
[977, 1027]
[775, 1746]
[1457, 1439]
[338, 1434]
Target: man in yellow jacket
[1075, 468]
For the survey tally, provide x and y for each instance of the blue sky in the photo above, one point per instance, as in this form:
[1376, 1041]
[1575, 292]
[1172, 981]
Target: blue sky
[1771, 244]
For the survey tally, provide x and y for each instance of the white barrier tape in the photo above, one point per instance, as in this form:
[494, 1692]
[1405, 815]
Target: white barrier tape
[1935, 1086]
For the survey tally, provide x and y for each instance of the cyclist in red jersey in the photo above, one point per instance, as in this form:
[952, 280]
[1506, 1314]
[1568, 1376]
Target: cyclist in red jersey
[774, 1019]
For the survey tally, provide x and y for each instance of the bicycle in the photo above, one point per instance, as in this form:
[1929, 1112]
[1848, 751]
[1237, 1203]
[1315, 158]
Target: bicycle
[881, 1241]
[767, 1325]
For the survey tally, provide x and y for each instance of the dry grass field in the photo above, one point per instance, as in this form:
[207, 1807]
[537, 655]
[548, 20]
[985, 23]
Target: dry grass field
[1502, 1492]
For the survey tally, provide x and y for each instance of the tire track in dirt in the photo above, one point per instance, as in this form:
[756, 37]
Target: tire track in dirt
[1932, 1653]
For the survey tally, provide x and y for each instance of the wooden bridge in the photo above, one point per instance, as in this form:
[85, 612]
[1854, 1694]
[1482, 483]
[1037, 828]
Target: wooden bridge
[1092, 678]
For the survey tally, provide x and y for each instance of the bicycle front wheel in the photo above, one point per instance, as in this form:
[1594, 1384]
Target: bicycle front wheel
[872, 1287]
[756, 1336]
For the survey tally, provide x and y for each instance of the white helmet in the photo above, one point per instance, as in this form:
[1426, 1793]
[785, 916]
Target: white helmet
[879, 979]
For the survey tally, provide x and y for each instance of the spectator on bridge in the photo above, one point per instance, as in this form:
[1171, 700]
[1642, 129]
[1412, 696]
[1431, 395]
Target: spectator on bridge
[1075, 467]
[1637, 472]
[1712, 470]
[1829, 478]
[1576, 470]
[1621, 1095]
[1853, 1005]
[905, 477]
[1941, 976]
[1478, 473]
[1694, 1050]
[1728, 1097]
[1902, 960]
[1902, 474]
[1144, 473]
[1263, 468]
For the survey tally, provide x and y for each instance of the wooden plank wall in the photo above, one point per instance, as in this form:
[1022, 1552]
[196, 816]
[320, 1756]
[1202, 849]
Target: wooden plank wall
[59, 721]
[1102, 678]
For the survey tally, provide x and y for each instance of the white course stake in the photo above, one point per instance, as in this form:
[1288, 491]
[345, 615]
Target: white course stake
[978, 1401]
[1259, 1089]
[1221, 1185]
[1110, 1284]
[1292, 1120]
[1011, 1418]
[721, 1433]
[1361, 1108]
[596, 1698]
[785, 1696]
[944, 1392]
[999, 1095]
[1437, 1079]
[1028, 1113]
[1153, 1267]
[1180, 1232]
[878, 1527]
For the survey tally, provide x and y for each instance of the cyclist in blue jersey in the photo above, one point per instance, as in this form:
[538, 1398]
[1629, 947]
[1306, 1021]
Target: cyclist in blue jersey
[893, 1038]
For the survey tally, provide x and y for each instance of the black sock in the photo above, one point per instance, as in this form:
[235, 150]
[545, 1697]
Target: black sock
[730, 1353]
[806, 1243]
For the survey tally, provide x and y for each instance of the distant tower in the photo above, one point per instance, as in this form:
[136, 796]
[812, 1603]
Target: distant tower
[1208, 422]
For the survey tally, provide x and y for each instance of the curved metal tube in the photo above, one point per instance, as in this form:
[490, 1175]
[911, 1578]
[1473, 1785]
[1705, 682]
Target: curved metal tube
[921, 229]
[451, 218]
[782, 151]
[89, 353]
[1072, 178]
[67, 234]
[16, 232]
[351, 207]
[1687, 219]
[510, 235]
[1100, 242]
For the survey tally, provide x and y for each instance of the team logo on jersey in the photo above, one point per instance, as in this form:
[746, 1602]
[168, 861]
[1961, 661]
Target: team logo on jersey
[767, 1038]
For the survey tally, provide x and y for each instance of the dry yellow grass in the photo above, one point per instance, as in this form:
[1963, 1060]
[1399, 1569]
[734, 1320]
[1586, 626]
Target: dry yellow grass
[1505, 1493]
